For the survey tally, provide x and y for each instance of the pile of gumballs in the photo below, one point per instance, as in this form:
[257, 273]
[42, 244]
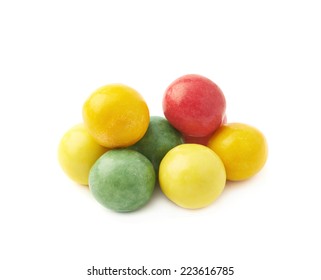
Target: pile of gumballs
[122, 152]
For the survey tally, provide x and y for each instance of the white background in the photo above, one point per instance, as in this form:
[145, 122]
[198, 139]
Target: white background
[265, 56]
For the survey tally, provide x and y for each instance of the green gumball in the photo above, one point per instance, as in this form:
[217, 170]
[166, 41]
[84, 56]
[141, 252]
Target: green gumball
[122, 180]
[160, 137]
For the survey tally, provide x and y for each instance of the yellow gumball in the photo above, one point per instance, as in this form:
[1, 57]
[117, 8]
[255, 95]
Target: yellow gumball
[192, 176]
[77, 152]
[116, 116]
[242, 148]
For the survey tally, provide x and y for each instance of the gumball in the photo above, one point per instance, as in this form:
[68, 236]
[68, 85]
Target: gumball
[116, 116]
[194, 105]
[77, 152]
[192, 176]
[160, 137]
[242, 148]
[122, 180]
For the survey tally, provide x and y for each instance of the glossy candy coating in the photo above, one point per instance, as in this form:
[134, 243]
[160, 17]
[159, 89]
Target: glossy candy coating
[242, 148]
[192, 176]
[116, 116]
[77, 152]
[194, 105]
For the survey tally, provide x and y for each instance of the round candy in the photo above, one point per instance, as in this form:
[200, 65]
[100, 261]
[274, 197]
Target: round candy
[194, 105]
[160, 137]
[116, 116]
[192, 176]
[122, 180]
[77, 152]
[242, 148]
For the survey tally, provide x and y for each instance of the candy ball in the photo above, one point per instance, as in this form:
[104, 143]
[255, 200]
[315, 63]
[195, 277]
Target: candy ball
[77, 152]
[194, 105]
[242, 148]
[160, 137]
[116, 116]
[192, 176]
[122, 180]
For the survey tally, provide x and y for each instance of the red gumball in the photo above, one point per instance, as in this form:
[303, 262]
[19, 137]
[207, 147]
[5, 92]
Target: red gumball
[194, 105]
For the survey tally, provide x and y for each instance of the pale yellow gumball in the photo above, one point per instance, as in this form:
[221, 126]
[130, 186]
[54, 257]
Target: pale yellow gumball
[77, 152]
[192, 176]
